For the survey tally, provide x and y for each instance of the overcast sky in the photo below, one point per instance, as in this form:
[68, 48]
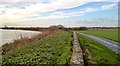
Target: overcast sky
[53, 12]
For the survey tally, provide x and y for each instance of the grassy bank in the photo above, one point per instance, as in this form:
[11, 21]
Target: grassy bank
[96, 53]
[23, 41]
[109, 34]
[54, 49]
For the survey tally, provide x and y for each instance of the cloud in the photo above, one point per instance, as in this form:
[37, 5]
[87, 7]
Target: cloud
[90, 9]
[22, 9]
[58, 14]
[52, 0]
[109, 22]
[104, 7]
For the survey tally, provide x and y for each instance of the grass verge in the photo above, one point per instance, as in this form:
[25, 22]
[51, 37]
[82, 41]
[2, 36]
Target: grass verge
[109, 34]
[54, 49]
[96, 53]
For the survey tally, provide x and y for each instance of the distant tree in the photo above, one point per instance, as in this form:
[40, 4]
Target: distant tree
[60, 26]
[83, 28]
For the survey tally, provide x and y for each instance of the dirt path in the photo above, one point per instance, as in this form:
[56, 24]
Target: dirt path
[114, 46]
[77, 55]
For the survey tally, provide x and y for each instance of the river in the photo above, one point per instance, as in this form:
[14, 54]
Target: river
[7, 36]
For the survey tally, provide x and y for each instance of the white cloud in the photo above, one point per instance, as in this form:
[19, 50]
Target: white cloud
[14, 13]
[22, 0]
[90, 9]
[58, 14]
[104, 7]
[52, 0]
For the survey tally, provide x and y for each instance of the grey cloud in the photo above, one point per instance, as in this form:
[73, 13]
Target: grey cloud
[100, 22]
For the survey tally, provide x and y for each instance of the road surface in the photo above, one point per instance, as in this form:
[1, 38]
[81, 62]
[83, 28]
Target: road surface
[114, 46]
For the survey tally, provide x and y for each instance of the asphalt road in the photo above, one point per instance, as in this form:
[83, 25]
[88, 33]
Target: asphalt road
[114, 46]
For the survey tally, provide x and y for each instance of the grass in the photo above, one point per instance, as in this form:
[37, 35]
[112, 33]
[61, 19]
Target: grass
[109, 34]
[23, 41]
[96, 53]
[54, 49]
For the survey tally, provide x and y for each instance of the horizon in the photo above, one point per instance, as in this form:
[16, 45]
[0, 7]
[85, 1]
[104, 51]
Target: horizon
[69, 13]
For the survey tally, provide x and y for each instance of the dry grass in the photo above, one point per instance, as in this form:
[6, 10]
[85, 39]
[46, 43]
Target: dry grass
[25, 41]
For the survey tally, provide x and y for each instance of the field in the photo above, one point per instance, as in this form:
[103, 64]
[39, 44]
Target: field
[56, 49]
[111, 34]
[53, 49]
[96, 53]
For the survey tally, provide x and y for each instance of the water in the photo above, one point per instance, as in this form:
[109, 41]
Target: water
[10, 35]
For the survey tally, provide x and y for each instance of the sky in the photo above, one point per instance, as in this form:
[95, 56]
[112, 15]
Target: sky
[69, 13]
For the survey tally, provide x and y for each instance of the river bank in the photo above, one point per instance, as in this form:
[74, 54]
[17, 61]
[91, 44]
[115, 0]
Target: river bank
[23, 41]
[53, 49]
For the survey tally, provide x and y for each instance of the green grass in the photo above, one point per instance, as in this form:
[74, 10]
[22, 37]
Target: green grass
[96, 53]
[109, 34]
[54, 49]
